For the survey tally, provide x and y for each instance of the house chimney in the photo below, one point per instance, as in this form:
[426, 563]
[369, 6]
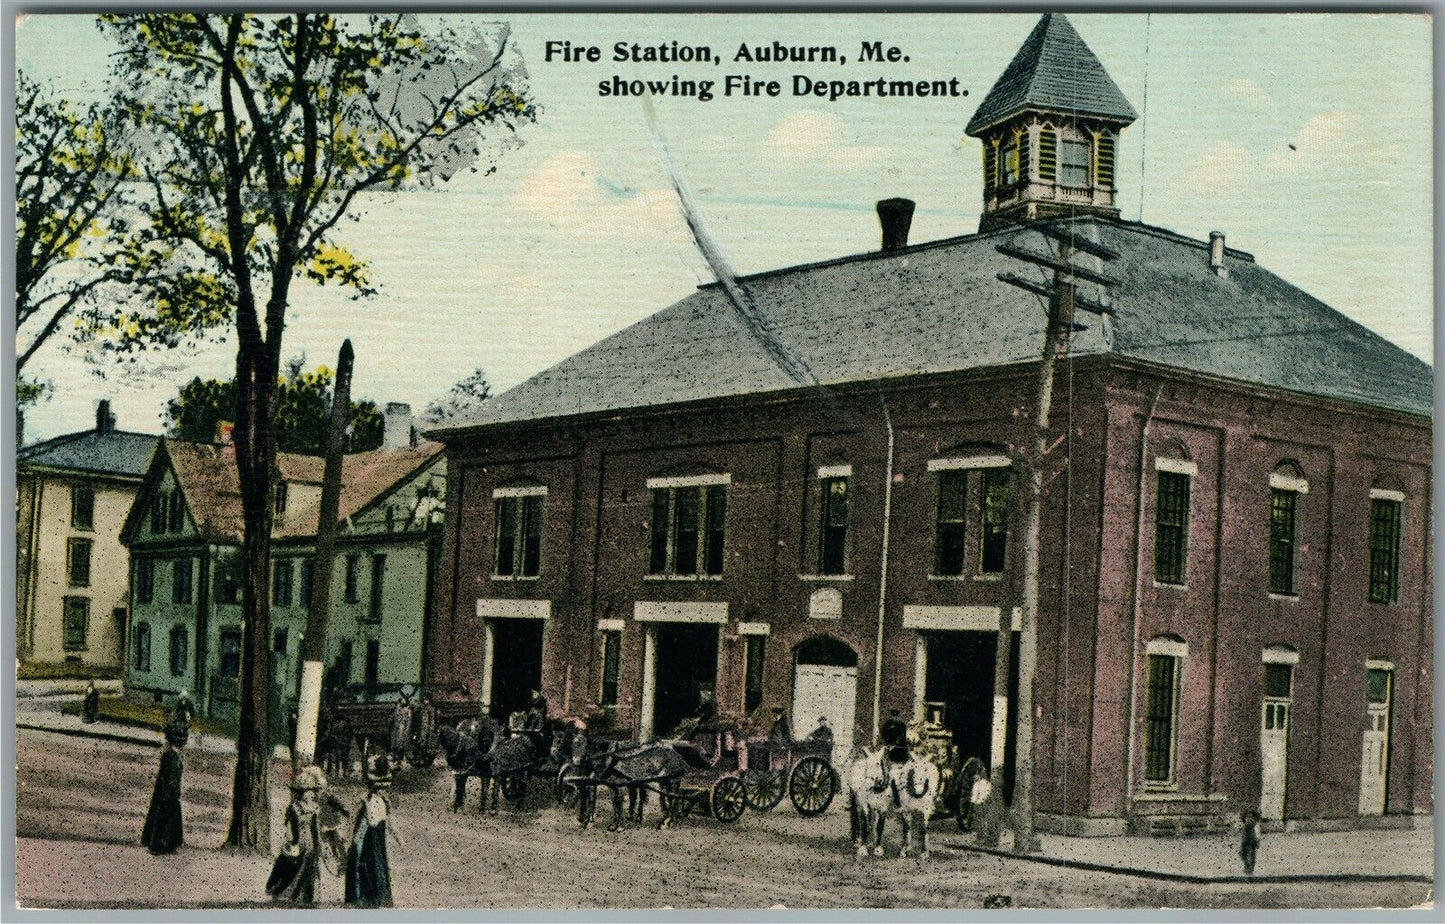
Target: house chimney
[104, 419]
[398, 432]
[896, 216]
[1216, 253]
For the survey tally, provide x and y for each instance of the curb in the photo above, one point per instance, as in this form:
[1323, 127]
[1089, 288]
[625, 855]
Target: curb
[84, 733]
[1192, 879]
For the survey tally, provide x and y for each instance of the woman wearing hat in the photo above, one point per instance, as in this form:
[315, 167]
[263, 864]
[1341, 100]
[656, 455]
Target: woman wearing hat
[368, 872]
[162, 831]
[297, 870]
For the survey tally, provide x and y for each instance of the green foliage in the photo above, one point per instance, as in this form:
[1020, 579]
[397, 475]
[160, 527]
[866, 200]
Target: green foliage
[463, 396]
[302, 413]
[139, 714]
[65, 670]
[69, 163]
[30, 391]
[258, 133]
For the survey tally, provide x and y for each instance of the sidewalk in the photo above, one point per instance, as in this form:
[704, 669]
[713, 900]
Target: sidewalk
[30, 689]
[1211, 858]
[59, 722]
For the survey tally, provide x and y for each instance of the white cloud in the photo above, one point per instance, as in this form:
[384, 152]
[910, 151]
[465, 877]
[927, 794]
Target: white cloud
[1246, 91]
[572, 190]
[1327, 143]
[812, 138]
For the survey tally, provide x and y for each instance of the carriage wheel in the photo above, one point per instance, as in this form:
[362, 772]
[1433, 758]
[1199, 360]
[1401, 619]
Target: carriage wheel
[812, 786]
[728, 799]
[514, 787]
[764, 789]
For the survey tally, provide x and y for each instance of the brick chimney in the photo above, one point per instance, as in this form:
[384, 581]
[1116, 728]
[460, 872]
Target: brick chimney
[1216, 253]
[104, 419]
[896, 217]
[398, 432]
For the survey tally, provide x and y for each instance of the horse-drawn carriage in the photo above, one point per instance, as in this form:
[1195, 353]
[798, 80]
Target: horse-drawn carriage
[932, 740]
[802, 770]
[399, 718]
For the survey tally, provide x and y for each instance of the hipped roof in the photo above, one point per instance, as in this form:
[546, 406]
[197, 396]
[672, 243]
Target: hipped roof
[940, 307]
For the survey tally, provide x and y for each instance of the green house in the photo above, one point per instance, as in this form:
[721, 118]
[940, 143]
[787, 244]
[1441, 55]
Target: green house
[184, 536]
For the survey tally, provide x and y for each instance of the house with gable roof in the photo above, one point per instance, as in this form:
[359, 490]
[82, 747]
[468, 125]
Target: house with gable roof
[184, 532]
[1236, 570]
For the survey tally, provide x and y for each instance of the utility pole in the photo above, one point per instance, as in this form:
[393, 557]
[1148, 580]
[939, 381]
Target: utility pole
[308, 706]
[1062, 300]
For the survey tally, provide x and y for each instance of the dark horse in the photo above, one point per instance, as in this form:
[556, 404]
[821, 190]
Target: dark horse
[628, 767]
[468, 749]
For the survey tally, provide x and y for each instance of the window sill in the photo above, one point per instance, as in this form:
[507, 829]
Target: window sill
[1164, 585]
[1159, 790]
[71, 649]
[989, 576]
[516, 577]
[85, 586]
[1289, 598]
[682, 577]
[825, 577]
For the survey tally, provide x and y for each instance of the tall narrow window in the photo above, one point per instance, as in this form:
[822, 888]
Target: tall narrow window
[1160, 719]
[343, 664]
[1011, 161]
[228, 584]
[994, 540]
[378, 584]
[177, 512]
[140, 642]
[1281, 540]
[689, 529]
[308, 573]
[78, 562]
[145, 579]
[1171, 527]
[76, 622]
[611, 665]
[373, 662]
[181, 580]
[753, 673]
[159, 507]
[948, 546]
[282, 572]
[279, 638]
[353, 565]
[518, 534]
[1074, 163]
[1384, 550]
[179, 646]
[229, 666]
[832, 543]
[281, 493]
[82, 507]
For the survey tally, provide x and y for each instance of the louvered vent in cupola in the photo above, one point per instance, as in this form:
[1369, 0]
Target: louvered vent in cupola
[1104, 160]
[1048, 154]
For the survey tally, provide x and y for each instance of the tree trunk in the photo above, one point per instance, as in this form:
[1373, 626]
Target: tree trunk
[255, 461]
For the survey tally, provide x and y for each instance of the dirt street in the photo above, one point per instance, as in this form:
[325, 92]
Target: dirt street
[81, 803]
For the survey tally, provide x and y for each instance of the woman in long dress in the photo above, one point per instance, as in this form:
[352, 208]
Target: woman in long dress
[297, 869]
[162, 831]
[368, 872]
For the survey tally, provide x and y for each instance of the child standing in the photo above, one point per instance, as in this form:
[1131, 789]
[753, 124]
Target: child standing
[1249, 842]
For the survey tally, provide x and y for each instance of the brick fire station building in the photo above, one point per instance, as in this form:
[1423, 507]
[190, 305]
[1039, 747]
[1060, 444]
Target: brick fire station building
[1236, 567]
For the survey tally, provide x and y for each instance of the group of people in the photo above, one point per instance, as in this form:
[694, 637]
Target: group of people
[296, 872]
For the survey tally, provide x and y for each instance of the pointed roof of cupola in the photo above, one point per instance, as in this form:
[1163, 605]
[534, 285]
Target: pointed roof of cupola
[1053, 71]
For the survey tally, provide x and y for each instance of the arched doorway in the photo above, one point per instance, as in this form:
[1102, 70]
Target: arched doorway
[825, 685]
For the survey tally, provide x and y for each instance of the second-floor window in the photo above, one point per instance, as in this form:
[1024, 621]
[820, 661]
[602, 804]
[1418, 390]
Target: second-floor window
[1282, 505]
[1384, 546]
[378, 579]
[518, 540]
[78, 562]
[145, 580]
[140, 642]
[181, 580]
[280, 498]
[308, 572]
[689, 522]
[353, 564]
[1171, 526]
[281, 579]
[971, 492]
[833, 522]
[82, 507]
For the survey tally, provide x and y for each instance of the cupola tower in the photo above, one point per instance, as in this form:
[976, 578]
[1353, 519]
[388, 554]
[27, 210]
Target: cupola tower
[1050, 129]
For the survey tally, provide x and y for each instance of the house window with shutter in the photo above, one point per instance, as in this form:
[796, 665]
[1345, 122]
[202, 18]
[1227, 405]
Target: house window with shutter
[82, 507]
[1048, 154]
[179, 646]
[76, 622]
[181, 578]
[140, 641]
[145, 580]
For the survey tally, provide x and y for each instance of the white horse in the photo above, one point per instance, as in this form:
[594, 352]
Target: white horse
[878, 787]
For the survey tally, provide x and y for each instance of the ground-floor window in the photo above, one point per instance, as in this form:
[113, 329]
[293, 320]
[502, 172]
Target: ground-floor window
[1160, 720]
[141, 646]
[373, 662]
[753, 675]
[179, 644]
[611, 666]
[230, 666]
[76, 620]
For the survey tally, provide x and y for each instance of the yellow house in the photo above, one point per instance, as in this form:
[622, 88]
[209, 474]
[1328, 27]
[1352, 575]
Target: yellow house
[72, 573]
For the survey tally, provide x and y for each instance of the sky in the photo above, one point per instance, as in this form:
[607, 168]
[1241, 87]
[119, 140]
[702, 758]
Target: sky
[1306, 138]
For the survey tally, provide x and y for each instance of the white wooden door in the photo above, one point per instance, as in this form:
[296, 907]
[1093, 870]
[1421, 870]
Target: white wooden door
[1273, 753]
[1375, 746]
[826, 690]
